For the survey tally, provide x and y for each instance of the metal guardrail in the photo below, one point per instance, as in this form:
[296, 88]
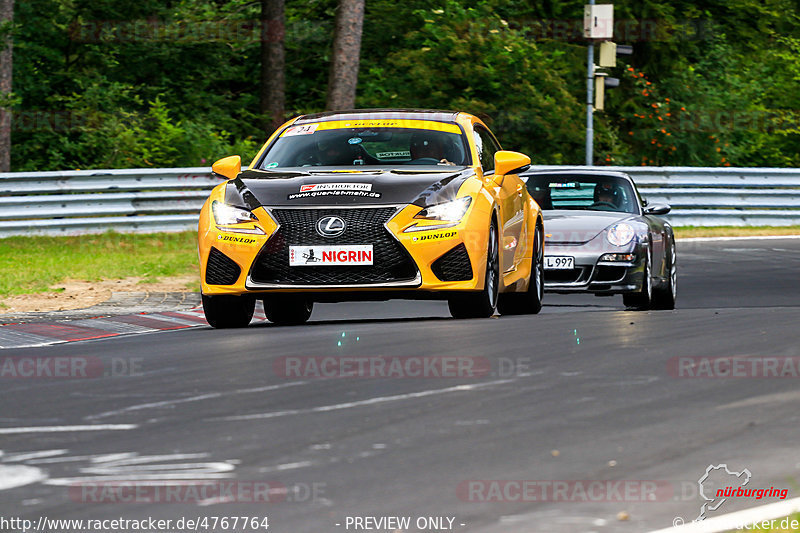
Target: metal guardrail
[717, 196]
[154, 200]
[94, 201]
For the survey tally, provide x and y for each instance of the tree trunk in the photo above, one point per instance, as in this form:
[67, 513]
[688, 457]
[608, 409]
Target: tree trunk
[273, 77]
[6, 63]
[343, 77]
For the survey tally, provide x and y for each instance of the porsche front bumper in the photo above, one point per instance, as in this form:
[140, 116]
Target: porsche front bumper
[593, 275]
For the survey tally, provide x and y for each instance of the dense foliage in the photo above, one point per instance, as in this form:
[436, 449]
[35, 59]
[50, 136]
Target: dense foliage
[105, 83]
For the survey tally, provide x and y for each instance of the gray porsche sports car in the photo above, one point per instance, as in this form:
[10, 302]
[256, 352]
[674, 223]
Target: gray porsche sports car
[602, 237]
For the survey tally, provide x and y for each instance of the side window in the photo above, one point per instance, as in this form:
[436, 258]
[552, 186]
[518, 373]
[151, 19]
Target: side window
[478, 146]
[487, 147]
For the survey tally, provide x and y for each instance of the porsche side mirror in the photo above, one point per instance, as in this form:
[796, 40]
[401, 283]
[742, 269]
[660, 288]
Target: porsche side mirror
[506, 162]
[657, 209]
[228, 167]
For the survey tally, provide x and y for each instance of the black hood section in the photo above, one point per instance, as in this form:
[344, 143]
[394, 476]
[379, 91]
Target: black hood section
[239, 195]
[423, 187]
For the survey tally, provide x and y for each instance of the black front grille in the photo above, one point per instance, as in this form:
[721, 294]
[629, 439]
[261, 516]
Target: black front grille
[391, 262]
[220, 269]
[454, 265]
[608, 273]
[571, 275]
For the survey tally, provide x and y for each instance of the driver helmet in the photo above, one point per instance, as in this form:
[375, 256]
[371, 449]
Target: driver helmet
[541, 194]
[608, 192]
[425, 144]
[336, 152]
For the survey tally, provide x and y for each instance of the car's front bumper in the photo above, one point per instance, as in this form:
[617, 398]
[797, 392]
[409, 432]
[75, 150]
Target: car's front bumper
[595, 276]
[258, 262]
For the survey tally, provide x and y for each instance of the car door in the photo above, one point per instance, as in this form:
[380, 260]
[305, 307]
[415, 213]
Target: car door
[510, 195]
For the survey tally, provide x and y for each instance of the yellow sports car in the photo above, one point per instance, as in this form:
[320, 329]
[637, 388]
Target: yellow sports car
[372, 205]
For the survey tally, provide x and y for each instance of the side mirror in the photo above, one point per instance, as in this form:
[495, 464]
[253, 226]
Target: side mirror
[657, 209]
[228, 167]
[506, 162]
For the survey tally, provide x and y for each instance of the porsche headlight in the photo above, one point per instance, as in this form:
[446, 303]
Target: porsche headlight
[447, 212]
[620, 234]
[226, 215]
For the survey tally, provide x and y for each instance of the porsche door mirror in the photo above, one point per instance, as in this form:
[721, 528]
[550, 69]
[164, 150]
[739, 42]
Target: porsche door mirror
[228, 167]
[506, 162]
[657, 209]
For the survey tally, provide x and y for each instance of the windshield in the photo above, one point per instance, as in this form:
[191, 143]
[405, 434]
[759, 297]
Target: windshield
[601, 193]
[347, 144]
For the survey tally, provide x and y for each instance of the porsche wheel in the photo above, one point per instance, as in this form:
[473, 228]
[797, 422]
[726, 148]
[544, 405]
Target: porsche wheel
[228, 311]
[530, 301]
[483, 303]
[664, 297]
[643, 298]
[288, 311]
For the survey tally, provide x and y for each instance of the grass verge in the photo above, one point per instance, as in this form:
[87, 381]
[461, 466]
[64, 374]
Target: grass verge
[37, 263]
[684, 232]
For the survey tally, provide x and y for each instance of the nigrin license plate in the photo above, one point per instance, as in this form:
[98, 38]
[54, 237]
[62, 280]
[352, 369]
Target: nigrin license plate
[330, 255]
[558, 262]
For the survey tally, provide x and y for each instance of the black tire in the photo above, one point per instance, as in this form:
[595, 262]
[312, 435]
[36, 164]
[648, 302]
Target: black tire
[288, 311]
[642, 299]
[664, 297]
[530, 301]
[481, 304]
[228, 311]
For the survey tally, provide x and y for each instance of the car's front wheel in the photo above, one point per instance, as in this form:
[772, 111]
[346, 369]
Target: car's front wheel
[530, 301]
[288, 311]
[228, 311]
[481, 304]
[664, 297]
[643, 298]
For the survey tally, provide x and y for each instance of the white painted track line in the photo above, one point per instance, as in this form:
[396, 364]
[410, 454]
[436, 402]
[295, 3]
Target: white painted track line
[742, 238]
[67, 429]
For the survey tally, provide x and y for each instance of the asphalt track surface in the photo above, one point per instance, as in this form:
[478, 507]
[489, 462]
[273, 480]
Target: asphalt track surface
[585, 378]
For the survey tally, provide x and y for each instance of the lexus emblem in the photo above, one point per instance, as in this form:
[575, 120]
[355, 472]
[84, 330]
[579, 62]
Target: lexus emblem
[330, 226]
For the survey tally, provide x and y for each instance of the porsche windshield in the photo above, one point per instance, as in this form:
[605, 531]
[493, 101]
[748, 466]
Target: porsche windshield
[332, 144]
[601, 193]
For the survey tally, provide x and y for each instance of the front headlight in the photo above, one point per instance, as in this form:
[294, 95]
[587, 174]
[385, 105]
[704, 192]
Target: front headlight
[620, 234]
[447, 212]
[225, 215]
